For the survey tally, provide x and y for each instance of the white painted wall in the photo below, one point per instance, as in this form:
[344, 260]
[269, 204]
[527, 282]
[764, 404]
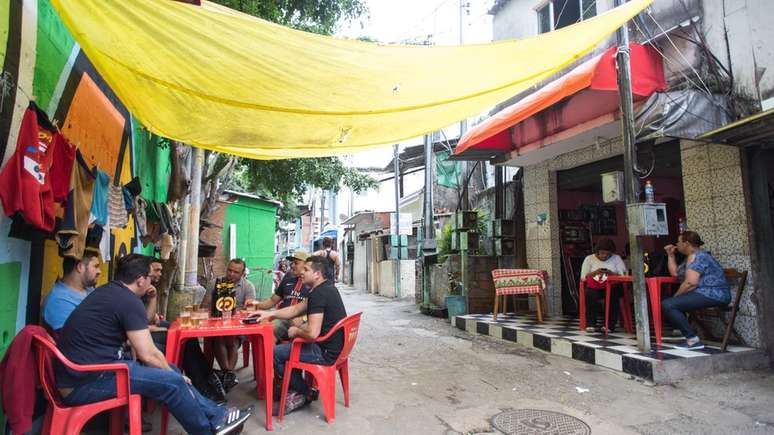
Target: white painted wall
[360, 275]
[750, 37]
[387, 278]
[518, 18]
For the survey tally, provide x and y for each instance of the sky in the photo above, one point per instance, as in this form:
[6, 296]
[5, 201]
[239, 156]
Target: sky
[415, 21]
[411, 21]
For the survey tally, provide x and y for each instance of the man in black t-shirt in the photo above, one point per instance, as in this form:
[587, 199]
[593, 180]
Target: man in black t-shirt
[290, 291]
[95, 333]
[324, 309]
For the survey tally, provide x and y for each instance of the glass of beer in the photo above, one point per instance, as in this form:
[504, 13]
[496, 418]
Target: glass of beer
[185, 319]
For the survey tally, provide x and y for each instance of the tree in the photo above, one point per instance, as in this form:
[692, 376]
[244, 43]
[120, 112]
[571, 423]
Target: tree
[287, 180]
[318, 16]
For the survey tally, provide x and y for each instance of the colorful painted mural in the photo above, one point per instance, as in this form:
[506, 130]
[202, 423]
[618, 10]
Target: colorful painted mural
[42, 63]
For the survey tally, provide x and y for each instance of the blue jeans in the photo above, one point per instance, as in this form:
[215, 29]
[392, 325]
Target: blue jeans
[310, 353]
[674, 310]
[197, 414]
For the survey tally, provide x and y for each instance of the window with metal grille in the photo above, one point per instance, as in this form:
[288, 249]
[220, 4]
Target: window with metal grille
[556, 14]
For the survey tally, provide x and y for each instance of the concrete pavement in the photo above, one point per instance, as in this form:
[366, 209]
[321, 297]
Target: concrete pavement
[411, 374]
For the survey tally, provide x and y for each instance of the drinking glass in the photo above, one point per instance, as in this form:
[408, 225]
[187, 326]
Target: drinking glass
[185, 319]
[227, 315]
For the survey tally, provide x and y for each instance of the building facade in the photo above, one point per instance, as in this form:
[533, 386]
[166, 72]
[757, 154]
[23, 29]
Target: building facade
[715, 50]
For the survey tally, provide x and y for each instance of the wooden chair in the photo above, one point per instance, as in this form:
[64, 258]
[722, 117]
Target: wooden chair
[732, 276]
[511, 282]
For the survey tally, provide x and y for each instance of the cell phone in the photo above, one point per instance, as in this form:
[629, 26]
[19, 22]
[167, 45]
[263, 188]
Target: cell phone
[250, 321]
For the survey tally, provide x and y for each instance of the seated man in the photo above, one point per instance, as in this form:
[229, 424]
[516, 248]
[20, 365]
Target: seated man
[95, 334]
[80, 277]
[290, 291]
[193, 363]
[324, 309]
[149, 299]
[226, 349]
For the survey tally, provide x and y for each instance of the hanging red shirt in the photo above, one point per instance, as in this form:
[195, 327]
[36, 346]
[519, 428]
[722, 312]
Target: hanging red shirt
[38, 174]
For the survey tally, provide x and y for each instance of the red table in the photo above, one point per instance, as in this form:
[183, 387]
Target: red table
[625, 303]
[261, 338]
[655, 284]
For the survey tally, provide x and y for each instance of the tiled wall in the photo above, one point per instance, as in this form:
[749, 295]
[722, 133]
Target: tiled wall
[714, 203]
[715, 208]
[540, 197]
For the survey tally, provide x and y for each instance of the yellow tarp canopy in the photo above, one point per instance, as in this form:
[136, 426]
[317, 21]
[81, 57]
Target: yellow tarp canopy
[225, 81]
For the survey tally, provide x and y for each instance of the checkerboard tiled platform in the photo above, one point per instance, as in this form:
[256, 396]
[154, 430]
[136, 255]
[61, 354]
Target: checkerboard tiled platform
[616, 351]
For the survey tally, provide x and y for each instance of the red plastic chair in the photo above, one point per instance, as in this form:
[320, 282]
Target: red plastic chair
[324, 376]
[69, 420]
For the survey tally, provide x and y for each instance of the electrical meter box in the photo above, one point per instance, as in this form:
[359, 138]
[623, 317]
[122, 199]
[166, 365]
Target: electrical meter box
[647, 219]
[613, 186]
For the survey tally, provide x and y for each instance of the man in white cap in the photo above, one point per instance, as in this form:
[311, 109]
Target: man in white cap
[290, 291]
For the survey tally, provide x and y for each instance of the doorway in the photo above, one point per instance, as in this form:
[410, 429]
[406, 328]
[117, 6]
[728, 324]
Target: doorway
[584, 216]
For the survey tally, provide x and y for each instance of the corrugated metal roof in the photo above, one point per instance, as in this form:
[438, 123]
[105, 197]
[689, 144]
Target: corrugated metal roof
[753, 130]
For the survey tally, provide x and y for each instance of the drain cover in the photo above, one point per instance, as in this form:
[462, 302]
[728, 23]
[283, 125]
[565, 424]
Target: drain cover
[538, 422]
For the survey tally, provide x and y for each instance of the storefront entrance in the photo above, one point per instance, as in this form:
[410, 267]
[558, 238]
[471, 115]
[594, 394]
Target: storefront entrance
[584, 216]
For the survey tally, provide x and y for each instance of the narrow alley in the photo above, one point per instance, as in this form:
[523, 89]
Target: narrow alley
[412, 374]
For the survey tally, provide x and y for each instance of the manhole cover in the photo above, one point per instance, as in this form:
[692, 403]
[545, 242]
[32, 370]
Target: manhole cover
[538, 422]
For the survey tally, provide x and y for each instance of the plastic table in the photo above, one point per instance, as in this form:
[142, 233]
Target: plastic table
[655, 284]
[261, 337]
[625, 302]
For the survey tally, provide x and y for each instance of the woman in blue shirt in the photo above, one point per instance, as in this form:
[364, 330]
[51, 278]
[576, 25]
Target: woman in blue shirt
[703, 285]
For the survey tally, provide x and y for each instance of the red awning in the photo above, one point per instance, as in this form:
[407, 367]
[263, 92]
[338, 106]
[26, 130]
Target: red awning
[586, 92]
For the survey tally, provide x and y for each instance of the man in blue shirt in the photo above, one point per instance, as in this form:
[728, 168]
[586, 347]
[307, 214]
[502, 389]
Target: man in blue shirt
[80, 277]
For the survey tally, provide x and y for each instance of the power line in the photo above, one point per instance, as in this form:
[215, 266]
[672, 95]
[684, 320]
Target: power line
[671, 62]
[422, 21]
[679, 52]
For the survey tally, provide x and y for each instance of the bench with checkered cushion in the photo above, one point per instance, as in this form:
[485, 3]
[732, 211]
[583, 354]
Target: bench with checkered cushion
[518, 281]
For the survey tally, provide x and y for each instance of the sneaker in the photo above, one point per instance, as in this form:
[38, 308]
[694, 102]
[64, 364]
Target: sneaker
[216, 387]
[229, 380]
[234, 420]
[685, 346]
[294, 401]
[592, 329]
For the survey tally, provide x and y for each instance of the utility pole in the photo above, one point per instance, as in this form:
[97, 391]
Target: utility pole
[464, 122]
[192, 253]
[632, 185]
[428, 229]
[397, 245]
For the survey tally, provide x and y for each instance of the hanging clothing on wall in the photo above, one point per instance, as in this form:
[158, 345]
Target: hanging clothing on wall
[26, 181]
[140, 220]
[117, 213]
[62, 168]
[71, 236]
[99, 199]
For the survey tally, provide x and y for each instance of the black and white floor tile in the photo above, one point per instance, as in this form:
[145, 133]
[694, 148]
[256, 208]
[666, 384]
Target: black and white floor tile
[562, 336]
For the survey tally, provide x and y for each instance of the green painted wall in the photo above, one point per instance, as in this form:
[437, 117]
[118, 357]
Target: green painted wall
[255, 221]
[153, 165]
[5, 7]
[54, 44]
[10, 276]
